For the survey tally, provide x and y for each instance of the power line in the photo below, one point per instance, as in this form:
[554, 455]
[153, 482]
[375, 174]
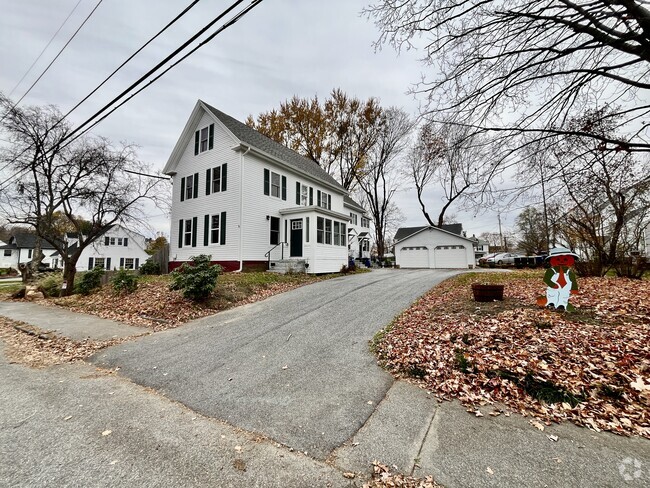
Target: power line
[59, 53]
[172, 22]
[45, 48]
[243, 12]
[159, 65]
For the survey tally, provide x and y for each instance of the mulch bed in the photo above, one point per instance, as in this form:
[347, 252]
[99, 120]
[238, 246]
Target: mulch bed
[591, 367]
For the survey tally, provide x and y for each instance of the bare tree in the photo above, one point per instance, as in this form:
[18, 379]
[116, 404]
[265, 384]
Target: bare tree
[456, 159]
[381, 176]
[89, 182]
[605, 193]
[529, 65]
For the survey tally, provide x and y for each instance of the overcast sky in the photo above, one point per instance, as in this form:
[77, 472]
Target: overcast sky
[280, 49]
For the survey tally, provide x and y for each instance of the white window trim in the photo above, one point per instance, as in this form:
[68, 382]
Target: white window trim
[189, 187]
[187, 233]
[274, 186]
[214, 230]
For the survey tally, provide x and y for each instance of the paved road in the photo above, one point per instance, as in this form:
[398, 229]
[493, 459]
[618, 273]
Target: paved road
[295, 367]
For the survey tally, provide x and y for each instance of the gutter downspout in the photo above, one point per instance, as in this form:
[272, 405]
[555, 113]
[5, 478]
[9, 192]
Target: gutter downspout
[241, 213]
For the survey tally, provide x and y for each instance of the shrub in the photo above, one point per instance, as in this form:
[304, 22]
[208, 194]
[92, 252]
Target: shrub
[124, 282]
[150, 267]
[51, 285]
[344, 269]
[197, 279]
[90, 281]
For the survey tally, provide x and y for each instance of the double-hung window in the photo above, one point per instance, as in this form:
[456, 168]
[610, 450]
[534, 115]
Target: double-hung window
[100, 263]
[189, 187]
[337, 234]
[128, 263]
[187, 233]
[324, 200]
[214, 229]
[216, 179]
[204, 139]
[353, 218]
[365, 222]
[328, 231]
[275, 185]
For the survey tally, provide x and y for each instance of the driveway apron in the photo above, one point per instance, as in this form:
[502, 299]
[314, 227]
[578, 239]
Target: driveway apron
[295, 367]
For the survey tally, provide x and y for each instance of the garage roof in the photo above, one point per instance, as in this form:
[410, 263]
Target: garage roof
[406, 232]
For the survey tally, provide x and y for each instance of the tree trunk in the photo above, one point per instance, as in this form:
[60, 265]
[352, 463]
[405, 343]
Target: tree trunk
[68, 280]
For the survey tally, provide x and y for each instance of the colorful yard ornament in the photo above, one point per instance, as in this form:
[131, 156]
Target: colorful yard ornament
[560, 279]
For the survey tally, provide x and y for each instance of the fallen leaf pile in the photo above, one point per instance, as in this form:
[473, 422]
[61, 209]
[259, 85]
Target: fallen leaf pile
[382, 477]
[32, 351]
[155, 306]
[591, 367]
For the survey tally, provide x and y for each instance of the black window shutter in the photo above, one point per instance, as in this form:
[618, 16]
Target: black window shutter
[208, 180]
[311, 195]
[137, 263]
[90, 264]
[196, 142]
[106, 241]
[180, 233]
[108, 264]
[222, 229]
[211, 137]
[206, 230]
[267, 183]
[329, 202]
[121, 262]
[297, 193]
[224, 177]
[126, 242]
[318, 198]
[195, 221]
[284, 188]
[196, 185]
[182, 189]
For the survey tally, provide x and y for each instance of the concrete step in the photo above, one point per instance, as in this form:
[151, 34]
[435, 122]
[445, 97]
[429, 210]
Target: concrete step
[284, 266]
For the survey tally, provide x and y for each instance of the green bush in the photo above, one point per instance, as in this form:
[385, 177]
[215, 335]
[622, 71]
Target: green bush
[91, 280]
[51, 285]
[150, 267]
[124, 282]
[197, 279]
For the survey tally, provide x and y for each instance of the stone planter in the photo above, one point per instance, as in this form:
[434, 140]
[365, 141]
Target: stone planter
[487, 293]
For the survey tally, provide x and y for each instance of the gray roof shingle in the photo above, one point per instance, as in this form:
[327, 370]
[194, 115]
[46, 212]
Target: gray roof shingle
[404, 232]
[259, 141]
[348, 201]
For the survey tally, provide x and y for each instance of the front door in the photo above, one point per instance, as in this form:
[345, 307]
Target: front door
[296, 238]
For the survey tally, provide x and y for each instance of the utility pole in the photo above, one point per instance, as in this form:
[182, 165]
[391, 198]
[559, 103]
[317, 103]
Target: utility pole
[500, 233]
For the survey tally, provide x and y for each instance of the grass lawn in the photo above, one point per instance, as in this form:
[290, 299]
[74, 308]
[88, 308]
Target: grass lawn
[591, 367]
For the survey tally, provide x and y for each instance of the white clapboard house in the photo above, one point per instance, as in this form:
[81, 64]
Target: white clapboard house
[250, 202]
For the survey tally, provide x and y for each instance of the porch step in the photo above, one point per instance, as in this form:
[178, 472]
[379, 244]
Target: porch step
[284, 266]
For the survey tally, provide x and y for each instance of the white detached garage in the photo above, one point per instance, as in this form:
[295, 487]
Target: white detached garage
[432, 247]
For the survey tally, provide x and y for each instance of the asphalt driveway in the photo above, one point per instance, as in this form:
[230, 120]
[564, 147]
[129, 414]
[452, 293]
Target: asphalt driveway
[295, 367]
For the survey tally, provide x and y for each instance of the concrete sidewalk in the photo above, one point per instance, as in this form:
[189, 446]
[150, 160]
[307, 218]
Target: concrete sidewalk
[62, 322]
[412, 431]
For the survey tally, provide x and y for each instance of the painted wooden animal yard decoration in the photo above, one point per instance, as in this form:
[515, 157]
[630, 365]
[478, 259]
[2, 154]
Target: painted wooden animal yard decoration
[560, 280]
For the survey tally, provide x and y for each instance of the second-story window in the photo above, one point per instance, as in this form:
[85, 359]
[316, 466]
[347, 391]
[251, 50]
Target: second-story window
[353, 218]
[365, 222]
[204, 139]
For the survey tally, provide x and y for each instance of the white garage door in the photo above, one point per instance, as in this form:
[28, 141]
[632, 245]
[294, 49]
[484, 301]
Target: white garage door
[450, 257]
[414, 257]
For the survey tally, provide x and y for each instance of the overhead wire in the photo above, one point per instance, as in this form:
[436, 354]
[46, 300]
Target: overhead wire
[58, 54]
[237, 17]
[44, 49]
[158, 66]
[161, 31]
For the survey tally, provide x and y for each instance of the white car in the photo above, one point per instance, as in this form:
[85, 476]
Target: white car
[502, 258]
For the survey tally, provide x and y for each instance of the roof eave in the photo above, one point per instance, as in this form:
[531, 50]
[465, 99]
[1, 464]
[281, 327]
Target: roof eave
[273, 159]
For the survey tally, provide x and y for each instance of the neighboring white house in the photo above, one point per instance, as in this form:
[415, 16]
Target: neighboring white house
[433, 247]
[116, 248]
[20, 249]
[247, 201]
[358, 230]
[481, 248]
